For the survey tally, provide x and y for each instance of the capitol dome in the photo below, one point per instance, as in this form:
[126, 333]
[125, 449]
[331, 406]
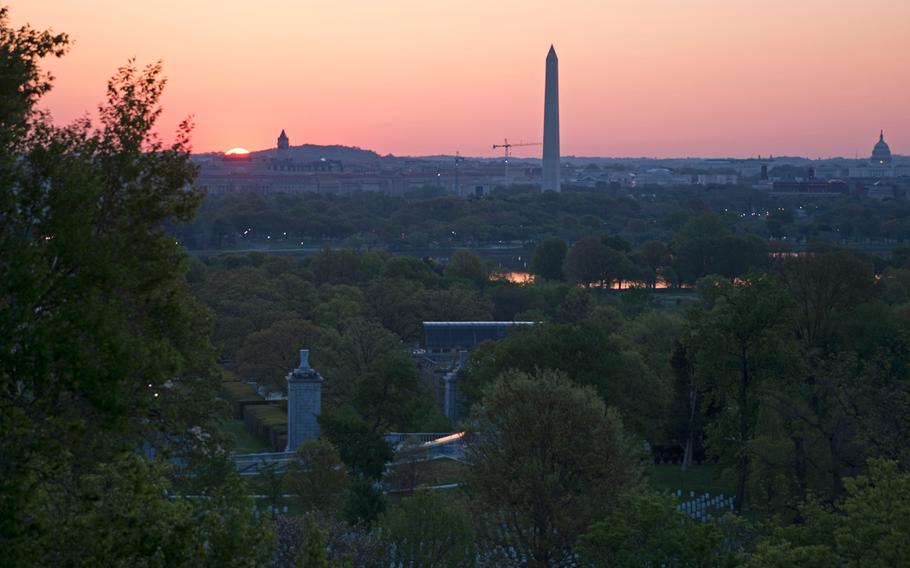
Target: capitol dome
[881, 153]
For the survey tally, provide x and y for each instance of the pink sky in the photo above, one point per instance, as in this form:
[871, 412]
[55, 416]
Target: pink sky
[637, 77]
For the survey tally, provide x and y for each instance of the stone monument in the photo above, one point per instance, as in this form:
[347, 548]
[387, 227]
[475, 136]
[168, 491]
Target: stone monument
[551, 125]
[304, 402]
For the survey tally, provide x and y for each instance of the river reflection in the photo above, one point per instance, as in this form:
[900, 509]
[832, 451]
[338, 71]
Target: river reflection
[521, 278]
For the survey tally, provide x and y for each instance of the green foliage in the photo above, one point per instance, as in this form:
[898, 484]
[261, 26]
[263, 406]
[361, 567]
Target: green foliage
[24, 82]
[591, 354]
[430, 221]
[648, 530]
[548, 458]
[466, 265]
[456, 303]
[273, 485]
[654, 335]
[268, 355]
[339, 303]
[331, 266]
[368, 371]
[104, 348]
[869, 527]
[728, 256]
[315, 538]
[363, 449]
[364, 504]
[548, 259]
[654, 254]
[742, 355]
[429, 529]
[123, 513]
[591, 262]
[825, 285]
[317, 476]
[405, 268]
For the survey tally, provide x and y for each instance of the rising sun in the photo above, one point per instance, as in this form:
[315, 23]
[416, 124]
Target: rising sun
[236, 152]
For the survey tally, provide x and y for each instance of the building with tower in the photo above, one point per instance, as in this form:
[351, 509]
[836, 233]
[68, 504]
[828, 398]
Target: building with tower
[283, 141]
[880, 164]
[551, 124]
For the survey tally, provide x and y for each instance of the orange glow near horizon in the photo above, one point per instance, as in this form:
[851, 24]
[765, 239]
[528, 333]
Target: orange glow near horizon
[237, 152]
[653, 78]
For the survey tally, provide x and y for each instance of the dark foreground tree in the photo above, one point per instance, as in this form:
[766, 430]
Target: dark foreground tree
[869, 528]
[102, 350]
[429, 529]
[648, 530]
[548, 458]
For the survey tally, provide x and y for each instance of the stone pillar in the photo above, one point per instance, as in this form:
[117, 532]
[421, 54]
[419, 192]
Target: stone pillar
[304, 402]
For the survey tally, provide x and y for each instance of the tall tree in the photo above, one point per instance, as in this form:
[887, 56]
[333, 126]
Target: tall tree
[548, 458]
[586, 262]
[429, 529]
[742, 352]
[466, 265]
[548, 259]
[103, 349]
[824, 284]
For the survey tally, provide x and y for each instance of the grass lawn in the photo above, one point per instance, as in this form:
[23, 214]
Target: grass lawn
[244, 443]
[700, 479]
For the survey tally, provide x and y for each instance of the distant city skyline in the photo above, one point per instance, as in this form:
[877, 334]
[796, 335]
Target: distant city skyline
[653, 78]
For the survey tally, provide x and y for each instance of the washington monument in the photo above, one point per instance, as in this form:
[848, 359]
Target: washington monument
[551, 125]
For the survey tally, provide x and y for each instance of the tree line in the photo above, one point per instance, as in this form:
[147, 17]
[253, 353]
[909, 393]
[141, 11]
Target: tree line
[523, 214]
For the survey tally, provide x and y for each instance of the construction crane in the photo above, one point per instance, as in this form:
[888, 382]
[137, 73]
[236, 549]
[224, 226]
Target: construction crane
[507, 148]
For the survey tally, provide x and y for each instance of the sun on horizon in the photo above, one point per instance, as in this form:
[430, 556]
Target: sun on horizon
[237, 152]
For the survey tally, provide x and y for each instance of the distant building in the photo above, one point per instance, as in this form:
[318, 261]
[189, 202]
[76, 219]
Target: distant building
[881, 164]
[881, 152]
[717, 179]
[446, 345]
[322, 165]
[661, 177]
[810, 188]
[283, 141]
